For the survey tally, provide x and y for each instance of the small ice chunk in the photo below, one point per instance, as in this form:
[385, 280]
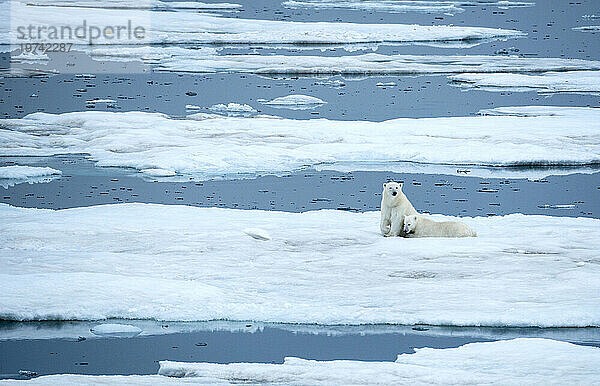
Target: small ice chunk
[257, 233]
[296, 102]
[93, 101]
[116, 330]
[587, 28]
[232, 108]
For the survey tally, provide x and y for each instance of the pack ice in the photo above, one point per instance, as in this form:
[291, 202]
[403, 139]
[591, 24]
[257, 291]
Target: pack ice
[400, 6]
[191, 27]
[211, 146]
[135, 4]
[145, 261]
[206, 59]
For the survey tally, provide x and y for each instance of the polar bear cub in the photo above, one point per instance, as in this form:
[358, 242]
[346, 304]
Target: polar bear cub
[394, 206]
[419, 226]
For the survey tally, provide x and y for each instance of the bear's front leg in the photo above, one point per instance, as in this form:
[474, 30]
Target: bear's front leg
[385, 226]
[397, 228]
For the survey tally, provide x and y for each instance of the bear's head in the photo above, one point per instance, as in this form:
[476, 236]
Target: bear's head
[392, 190]
[410, 223]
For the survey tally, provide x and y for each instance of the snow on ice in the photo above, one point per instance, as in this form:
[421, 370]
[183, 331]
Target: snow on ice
[326, 267]
[191, 27]
[518, 361]
[566, 136]
[24, 172]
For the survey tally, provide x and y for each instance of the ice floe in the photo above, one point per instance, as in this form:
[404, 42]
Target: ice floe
[327, 267]
[203, 60]
[17, 174]
[134, 4]
[190, 27]
[115, 330]
[550, 82]
[210, 146]
[295, 102]
[401, 6]
[541, 111]
[532, 361]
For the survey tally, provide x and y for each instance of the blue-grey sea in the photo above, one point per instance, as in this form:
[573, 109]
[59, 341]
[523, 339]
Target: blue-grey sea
[548, 25]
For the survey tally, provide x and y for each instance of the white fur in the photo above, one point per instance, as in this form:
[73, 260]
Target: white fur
[419, 226]
[393, 209]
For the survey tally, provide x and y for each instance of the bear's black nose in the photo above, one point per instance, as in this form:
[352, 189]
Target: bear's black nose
[394, 193]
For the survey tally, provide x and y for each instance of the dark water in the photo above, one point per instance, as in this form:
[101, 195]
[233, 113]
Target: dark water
[140, 355]
[548, 25]
[82, 184]
[359, 99]
[245, 342]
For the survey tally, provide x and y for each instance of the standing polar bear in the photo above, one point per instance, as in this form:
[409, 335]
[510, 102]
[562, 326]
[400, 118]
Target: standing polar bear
[419, 226]
[394, 206]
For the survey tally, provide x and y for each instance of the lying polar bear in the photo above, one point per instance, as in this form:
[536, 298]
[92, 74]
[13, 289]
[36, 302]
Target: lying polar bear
[419, 226]
[394, 206]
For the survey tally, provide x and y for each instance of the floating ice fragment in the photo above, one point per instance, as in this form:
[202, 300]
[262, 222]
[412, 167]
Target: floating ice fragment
[93, 101]
[232, 109]
[550, 82]
[587, 28]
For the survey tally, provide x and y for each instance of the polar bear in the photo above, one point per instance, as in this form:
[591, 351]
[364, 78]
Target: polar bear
[419, 226]
[394, 206]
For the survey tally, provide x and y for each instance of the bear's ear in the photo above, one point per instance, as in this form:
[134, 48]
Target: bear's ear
[384, 185]
[401, 184]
